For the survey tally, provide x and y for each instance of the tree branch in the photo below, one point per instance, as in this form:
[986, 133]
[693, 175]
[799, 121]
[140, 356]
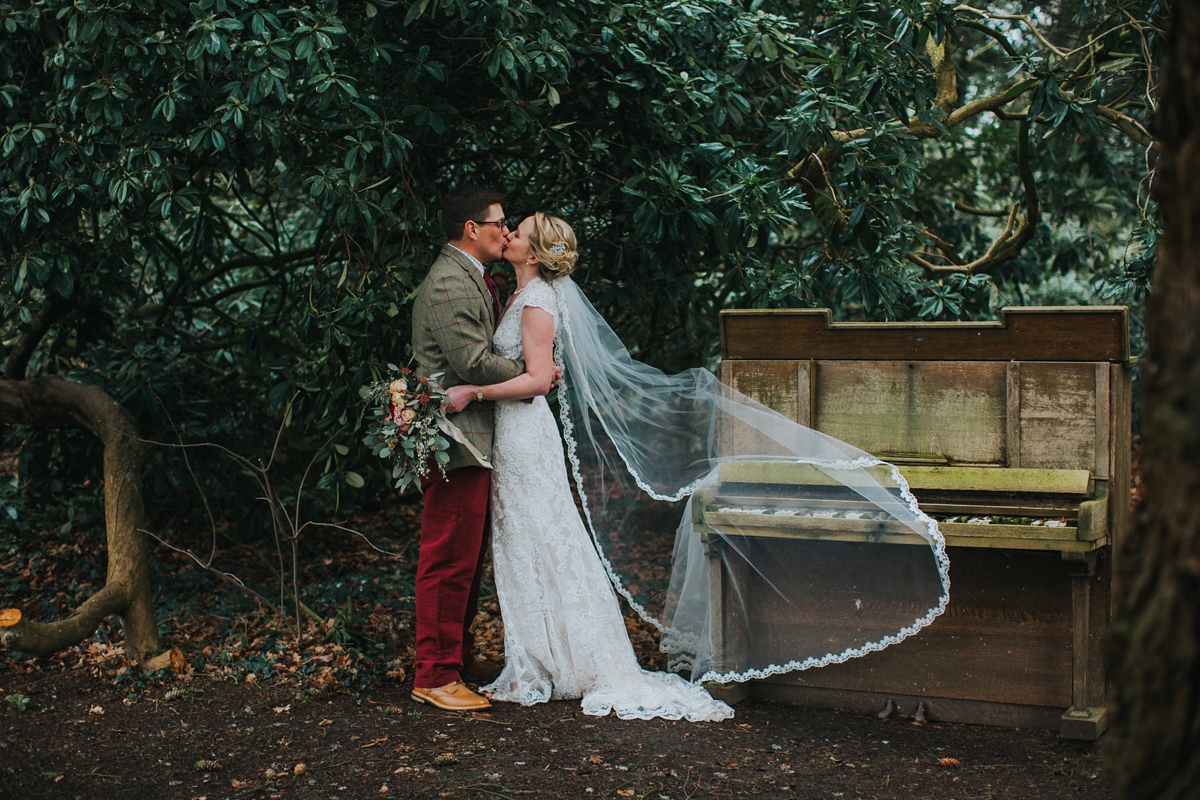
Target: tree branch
[978, 212]
[1024, 18]
[53, 402]
[945, 78]
[43, 320]
[43, 639]
[1000, 38]
[285, 262]
[1129, 126]
[1016, 234]
[923, 130]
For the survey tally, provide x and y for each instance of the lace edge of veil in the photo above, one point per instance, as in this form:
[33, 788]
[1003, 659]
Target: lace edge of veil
[681, 642]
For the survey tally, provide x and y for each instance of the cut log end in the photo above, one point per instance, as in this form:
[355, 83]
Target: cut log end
[172, 659]
[10, 617]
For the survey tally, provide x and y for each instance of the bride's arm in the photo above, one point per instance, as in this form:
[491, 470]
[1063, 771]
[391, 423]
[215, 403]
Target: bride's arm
[537, 342]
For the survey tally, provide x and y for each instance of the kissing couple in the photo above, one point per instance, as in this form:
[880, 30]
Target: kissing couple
[627, 425]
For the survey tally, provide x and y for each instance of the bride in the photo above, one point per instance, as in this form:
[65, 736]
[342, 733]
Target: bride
[670, 435]
[564, 636]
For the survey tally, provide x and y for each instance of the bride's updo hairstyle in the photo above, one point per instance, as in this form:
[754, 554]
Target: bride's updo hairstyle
[553, 242]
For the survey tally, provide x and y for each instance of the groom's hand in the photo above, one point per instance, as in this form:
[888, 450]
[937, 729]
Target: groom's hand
[460, 397]
[557, 377]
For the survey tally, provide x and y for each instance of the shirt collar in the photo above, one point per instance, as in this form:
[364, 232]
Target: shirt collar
[473, 259]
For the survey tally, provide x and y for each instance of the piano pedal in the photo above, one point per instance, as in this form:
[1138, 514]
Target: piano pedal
[888, 710]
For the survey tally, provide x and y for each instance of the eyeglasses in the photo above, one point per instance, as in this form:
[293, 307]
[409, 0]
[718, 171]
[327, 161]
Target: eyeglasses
[499, 223]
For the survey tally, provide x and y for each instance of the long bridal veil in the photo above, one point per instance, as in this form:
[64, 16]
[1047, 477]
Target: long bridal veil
[744, 601]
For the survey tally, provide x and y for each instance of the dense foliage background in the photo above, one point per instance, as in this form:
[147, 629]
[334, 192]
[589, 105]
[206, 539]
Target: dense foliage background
[219, 211]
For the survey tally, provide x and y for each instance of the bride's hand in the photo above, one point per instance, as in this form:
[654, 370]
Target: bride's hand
[557, 376]
[460, 397]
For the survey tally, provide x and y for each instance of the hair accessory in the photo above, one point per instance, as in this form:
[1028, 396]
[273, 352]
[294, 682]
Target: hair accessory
[557, 249]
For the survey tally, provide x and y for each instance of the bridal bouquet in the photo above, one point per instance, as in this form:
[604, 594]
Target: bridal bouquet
[409, 424]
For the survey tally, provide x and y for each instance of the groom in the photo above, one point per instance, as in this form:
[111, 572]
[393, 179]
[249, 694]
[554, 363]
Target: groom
[454, 315]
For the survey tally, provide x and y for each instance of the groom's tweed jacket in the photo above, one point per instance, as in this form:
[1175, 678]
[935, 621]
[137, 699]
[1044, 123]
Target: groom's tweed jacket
[452, 334]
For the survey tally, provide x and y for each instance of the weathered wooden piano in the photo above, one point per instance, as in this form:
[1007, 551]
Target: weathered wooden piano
[1015, 435]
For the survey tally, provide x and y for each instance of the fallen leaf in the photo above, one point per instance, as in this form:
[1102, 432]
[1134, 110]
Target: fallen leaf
[9, 617]
[595, 759]
[300, 769]
[235, 783]
[324, 722]
[383, 789]
[625, 792]
[282, 709]
[949, 762]
[372, 743]
[96, 710]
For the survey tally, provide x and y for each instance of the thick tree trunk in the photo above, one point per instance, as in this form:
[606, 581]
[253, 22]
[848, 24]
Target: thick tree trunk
[54, 403]
[1154, 650]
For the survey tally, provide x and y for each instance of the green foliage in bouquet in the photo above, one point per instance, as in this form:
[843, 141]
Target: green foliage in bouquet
[408, 417]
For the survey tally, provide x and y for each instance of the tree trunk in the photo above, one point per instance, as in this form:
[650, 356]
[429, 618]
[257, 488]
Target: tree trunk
[53, 402]
[1154, 650]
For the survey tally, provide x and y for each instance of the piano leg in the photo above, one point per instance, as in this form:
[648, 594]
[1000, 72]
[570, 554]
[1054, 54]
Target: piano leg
[1082, 721]
[727, 575]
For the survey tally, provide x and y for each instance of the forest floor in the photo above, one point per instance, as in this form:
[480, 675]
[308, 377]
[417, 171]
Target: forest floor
[256, 712]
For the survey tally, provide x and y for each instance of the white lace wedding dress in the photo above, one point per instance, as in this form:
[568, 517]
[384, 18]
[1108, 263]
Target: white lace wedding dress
[564, 636]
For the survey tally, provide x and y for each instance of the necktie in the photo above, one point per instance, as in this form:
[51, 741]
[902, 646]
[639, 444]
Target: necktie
[491, 284]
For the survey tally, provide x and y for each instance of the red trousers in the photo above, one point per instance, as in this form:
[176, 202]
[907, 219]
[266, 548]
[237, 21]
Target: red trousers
[454, 540]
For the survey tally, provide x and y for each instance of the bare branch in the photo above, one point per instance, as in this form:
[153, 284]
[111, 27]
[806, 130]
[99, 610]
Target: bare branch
[360, 534]
[987, 259]
[1129, 126]
[979, 212]
[949, 251]
[225, 576]
[187, 462]
[1023, 18]
[285, 262]
[1016, 233]
[922, 130]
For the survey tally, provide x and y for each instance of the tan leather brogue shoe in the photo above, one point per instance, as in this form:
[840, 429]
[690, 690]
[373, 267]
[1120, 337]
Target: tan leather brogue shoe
[451, 697]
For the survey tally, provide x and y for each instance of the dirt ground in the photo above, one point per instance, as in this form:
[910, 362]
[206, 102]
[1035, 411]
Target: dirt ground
[80, 738]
